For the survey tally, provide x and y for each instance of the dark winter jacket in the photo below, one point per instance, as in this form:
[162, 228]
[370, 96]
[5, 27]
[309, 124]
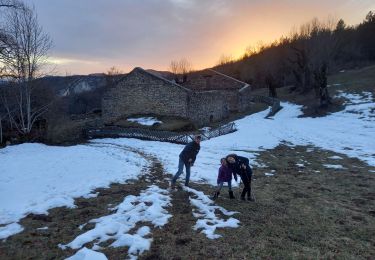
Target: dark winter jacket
[190, 152]
[225, 174]
[236, 167]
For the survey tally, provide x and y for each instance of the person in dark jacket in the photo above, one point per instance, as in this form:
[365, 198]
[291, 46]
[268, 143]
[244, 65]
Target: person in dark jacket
[225, 175]
[240, 166]
[187, 158]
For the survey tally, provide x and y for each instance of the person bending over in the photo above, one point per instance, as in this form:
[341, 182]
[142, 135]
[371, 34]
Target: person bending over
[240, 166]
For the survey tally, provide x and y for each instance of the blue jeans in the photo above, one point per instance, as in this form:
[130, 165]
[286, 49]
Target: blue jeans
[181, 171]
[220, 185]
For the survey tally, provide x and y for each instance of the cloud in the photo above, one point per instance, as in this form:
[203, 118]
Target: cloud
[150, 33]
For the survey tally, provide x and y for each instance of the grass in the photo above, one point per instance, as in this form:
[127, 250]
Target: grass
[354, 80]
[351, 81]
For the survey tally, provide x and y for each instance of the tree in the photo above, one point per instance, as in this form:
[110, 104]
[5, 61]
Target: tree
[112, 76]
[180, 69]
[24, 48]
[341, 26]
[225, 59]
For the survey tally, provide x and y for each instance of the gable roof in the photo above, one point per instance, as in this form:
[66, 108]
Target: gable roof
[209, 79]
[197, 80]
[155, 76]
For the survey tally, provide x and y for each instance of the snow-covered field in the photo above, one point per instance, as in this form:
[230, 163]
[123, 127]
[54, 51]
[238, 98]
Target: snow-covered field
[35, 177]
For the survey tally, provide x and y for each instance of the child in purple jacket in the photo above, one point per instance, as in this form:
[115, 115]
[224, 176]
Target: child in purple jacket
[225, 175]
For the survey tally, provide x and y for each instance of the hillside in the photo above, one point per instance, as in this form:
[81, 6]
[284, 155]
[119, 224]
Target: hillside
[348, 81]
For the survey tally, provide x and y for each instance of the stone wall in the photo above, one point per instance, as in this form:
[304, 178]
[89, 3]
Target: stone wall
[245, 99]
[141, 92]
[232, 99]
[207, 106]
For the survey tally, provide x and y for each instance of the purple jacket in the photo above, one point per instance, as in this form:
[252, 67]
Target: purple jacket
[225, 174]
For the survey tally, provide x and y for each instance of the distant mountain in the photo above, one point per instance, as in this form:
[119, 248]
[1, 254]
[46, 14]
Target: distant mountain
[68, 85]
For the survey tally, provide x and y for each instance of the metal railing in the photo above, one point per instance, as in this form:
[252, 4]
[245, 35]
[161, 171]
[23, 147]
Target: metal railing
[154, 135]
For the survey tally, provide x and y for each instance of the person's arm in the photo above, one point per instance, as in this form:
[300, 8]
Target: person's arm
[194, 153]
[186, 152]
[220, 174]
[234, 176]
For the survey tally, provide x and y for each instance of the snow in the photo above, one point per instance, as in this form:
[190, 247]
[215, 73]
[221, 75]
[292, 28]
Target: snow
[335, 157]
[10, 229]
[301, 165]
[350, 132]
[150, 206]
[208, 221]
[269, 174]
[87, 254]
[334, 166]
[43, 177]
[42, 228]
[144, 120]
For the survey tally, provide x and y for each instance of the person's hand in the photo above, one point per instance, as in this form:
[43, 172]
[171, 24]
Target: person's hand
[190, 160]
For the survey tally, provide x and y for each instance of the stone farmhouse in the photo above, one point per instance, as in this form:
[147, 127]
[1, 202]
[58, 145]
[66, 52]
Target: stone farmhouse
[207, 96]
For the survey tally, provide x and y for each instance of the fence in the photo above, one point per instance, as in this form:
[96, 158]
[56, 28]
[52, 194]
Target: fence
[153, 135]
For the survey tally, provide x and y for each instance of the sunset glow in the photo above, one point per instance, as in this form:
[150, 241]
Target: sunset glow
[151, 33]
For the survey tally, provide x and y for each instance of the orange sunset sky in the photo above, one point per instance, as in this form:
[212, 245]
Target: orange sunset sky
[91, 36]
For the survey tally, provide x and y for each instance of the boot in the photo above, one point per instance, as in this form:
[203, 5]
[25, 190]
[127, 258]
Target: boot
[231, 196]
[216, 195]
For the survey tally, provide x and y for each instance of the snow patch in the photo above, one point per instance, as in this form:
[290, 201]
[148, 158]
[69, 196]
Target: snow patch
[87, 254]
[204, 210]
[10, 229]
[334, 166]
[335, 157]
[269, 174]
[150, 206]
[148, 121]
[42, 228]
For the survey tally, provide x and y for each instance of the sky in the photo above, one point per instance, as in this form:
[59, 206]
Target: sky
[90, 36]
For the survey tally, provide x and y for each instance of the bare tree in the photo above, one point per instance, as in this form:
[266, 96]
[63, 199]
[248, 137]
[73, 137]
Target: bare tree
[181, 69]
[24, 52]
[314, 48]
[174, 68]
[113, 76]
[225, 59]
